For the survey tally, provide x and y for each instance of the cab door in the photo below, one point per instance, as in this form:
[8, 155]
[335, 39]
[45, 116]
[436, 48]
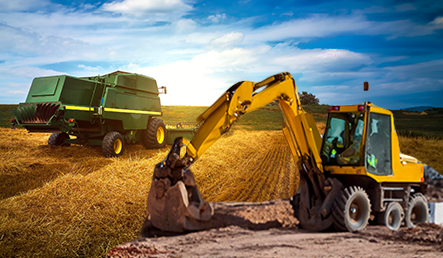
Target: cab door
[378, 145]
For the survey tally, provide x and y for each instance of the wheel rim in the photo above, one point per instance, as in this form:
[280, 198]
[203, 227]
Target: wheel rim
[356, 211]
[417, 215]
[160, 135]
[391, 219]
[118, 146]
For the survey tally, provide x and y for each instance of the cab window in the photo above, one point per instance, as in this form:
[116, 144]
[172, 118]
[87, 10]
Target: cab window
[378, 145]
[343, 135]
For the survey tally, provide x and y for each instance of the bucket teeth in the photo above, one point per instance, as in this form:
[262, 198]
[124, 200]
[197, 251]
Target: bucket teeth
[174, 202]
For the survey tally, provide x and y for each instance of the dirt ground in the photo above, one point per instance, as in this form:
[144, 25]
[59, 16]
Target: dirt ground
[270, 230]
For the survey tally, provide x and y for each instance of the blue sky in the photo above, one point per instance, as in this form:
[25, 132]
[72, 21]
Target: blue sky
[198, 49]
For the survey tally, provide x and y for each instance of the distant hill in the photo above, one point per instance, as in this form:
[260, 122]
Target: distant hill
[418, 109]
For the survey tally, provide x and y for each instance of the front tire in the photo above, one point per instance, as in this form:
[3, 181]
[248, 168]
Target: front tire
[417, 211]
[58, 139]
[392, 216]
[352, 210]
[155, 135]
[113, 145]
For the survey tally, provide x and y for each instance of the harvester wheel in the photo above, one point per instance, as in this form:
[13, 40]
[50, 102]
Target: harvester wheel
[155, 135]
[392, 216]
[112, 145]
[58, 139]
[352, 209]
[417, 211]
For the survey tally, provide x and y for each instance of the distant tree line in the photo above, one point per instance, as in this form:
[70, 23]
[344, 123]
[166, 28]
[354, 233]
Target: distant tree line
[434, 111]
[308, 98]
[305, 99]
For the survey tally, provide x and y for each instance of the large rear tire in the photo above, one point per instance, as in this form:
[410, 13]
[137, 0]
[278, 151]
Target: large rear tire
[155, 135]
[58, 139]
[113, 145]
[417, 211]
[392, 216]
[351, 210]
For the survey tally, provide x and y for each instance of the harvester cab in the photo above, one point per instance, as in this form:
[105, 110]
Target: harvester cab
[354, 171]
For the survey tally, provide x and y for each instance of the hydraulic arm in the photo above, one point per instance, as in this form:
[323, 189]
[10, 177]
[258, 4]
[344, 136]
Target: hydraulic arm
[316, 192]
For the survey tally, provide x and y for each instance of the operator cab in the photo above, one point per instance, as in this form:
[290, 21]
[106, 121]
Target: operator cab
[354, 136]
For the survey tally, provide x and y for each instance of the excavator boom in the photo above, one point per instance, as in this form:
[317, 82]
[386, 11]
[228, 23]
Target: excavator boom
[316, 193]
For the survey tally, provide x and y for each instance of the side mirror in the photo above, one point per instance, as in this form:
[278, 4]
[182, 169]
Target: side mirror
[366, 86]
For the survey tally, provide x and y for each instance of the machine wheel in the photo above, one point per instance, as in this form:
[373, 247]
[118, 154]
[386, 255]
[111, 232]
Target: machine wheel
[417, 211]
[392, 216]
[155, 134]
[352, 209]
[58, 139]
[113, 145]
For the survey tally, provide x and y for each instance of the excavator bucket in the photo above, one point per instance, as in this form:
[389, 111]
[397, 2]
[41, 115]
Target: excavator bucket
[174, 201]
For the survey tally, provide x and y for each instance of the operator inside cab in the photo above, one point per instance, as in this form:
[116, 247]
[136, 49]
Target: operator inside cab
[343, 143]
[344, 134]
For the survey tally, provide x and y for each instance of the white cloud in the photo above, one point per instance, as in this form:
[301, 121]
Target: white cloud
[229, 39]
[143, 8]
[90, 68]
[325, 25]
[217, 18]
[431, 69]
[437, 21]
[21, 5]
[210, 73]
[185, 25]
[232, 59]
[315, 26]
[27, 72]
[324, 63]
[287, 14]
[186, 82]
[17, 92]
[201, 56]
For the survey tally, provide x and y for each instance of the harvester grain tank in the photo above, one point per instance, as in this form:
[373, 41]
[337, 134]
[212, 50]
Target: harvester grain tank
[109, 110]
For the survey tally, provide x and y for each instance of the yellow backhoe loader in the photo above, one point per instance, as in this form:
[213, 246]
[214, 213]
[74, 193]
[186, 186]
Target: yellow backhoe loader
[353, 171]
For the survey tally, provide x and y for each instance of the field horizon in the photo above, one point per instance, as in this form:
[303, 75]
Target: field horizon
[408, 123]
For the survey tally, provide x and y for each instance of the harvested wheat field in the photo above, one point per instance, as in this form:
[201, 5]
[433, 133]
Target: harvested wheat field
[73, 202]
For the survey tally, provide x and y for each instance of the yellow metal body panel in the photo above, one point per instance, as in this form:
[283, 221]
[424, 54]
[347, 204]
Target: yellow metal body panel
[300, 130]
[80, 108]
[132, 111]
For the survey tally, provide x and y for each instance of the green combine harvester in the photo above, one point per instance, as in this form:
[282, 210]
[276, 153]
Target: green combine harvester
[109, 110]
